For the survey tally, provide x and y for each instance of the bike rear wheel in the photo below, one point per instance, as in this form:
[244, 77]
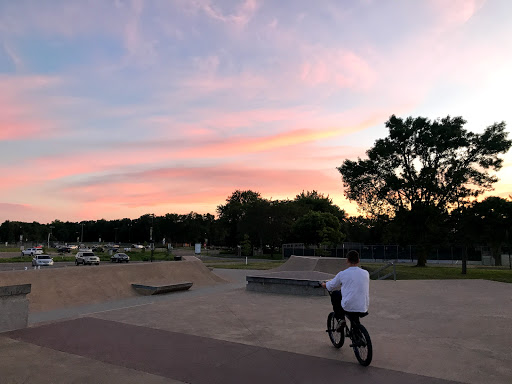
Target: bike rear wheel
[362, 345]
[337, 336]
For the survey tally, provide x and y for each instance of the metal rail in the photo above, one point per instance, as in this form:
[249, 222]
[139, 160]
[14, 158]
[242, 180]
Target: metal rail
[379, 270]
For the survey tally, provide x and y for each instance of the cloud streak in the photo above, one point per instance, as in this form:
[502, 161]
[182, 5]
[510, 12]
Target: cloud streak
[122, 108]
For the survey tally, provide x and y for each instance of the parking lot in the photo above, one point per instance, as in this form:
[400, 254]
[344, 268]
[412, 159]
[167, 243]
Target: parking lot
[58, 264]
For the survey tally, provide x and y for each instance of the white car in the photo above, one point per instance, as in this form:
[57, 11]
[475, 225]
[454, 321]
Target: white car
[42, 260]
[137, 246]
[31, 252]
[86, 257]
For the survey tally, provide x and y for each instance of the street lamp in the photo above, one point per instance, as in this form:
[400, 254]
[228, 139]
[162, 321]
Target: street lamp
[49, 234]
[82, 237]
[115, 236]
[151, 237]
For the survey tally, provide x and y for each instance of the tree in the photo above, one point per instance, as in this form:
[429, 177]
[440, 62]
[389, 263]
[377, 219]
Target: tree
[234, 213]
[425, 168]
[314, 201]
[488, 222]
[318, 228]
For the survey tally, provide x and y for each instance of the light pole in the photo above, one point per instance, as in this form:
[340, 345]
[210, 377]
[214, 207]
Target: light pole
[115, 236]
[49, 234]
[82, 237]
[151, 237]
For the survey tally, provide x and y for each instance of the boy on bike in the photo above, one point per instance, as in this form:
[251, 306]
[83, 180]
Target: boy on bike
[355, 289]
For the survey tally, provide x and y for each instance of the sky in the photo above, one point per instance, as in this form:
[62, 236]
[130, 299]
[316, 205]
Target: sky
[115, 109]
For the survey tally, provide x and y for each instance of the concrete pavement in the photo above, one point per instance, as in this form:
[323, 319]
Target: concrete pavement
[422, 331]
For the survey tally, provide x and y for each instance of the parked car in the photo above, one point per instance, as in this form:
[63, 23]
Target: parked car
[41, 260]
[31, 252]
[98, 249]
[64, 249]
[120, 257]
[137, 246]
[86, 257]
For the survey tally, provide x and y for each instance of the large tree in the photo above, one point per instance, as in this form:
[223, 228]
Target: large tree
[423, 169]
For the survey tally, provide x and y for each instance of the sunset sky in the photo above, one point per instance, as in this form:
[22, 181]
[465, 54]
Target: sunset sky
[114, 109]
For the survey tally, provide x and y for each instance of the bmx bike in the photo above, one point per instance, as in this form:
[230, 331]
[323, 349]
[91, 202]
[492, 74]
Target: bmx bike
[356, 332]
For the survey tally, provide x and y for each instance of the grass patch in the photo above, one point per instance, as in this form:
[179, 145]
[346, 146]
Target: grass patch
[407, 272]
[403, 272]
[11, 249]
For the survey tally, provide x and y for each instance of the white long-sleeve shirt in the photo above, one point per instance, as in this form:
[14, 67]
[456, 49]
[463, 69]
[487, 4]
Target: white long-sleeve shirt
[355, 289]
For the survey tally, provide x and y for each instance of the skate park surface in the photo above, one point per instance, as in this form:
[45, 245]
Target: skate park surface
[434, 331]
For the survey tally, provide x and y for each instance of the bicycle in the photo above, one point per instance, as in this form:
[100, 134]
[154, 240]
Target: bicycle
[356, 332]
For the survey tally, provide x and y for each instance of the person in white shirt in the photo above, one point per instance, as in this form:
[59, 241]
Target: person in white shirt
[354, 296]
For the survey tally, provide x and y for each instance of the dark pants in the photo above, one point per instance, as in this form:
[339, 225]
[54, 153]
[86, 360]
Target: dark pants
[336, 304]
[340, 313]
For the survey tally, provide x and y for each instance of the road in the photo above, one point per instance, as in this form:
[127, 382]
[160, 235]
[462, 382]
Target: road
[60, 264]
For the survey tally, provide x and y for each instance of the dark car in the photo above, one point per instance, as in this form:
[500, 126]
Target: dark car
[120, 257]
[64, 249]
[98, 249]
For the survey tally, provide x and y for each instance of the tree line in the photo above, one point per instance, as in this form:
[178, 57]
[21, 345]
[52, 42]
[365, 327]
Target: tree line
[420, 185]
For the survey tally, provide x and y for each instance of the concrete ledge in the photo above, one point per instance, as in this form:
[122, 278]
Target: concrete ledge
[14, 307]
[304, 283]
[147, 290]
[12, 290]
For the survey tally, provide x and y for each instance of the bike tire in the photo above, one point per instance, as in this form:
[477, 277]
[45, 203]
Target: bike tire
[362, 345]
[337, 337]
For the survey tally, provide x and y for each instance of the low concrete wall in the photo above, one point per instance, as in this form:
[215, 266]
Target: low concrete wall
[304, 283]
[14, 307]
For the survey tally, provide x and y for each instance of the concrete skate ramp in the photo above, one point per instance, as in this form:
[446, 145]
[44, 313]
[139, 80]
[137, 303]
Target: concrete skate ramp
[330, 265]
[79, 285]
[299, 275]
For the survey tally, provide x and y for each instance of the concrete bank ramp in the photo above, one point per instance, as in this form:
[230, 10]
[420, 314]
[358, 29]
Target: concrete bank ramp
[330, 265]
[54, 288]
[299, 275]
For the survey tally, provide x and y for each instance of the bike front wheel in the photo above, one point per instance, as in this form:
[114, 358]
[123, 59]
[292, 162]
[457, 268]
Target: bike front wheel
[336, 335]
[362, 345]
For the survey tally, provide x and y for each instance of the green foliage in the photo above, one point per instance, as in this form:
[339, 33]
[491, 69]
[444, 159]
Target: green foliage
[315, 228]
[488, 222]
[422, 162]
[246, 246]
[407, 272]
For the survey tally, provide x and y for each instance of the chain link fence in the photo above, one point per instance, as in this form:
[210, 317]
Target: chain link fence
[388, 252]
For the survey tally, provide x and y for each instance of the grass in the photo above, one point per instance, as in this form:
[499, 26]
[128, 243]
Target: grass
[10, 249]
[408, 272]
[403, 272]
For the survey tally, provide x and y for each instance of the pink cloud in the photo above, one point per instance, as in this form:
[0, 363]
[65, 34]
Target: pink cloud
[23, 114]
[456, 12]
[170, 187]
[341, 68]
[21, 212]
